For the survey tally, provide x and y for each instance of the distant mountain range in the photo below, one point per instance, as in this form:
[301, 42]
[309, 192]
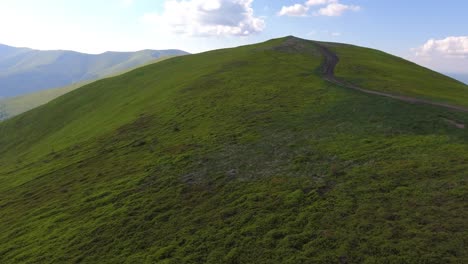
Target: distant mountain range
[24, 70]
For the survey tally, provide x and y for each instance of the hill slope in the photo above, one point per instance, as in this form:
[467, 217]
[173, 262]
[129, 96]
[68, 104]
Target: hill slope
[249, 157]
[13, 106]
[380, 71]
[25, 70]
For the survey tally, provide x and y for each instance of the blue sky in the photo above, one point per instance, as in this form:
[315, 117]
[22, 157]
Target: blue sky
[432, 32]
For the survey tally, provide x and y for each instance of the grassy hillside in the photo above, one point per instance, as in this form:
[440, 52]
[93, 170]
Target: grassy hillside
[376, 70]
[248, 157]
[26, 70]
[13, 106]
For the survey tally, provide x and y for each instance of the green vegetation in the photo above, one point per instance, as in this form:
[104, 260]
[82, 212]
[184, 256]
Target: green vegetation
[247, 157]
[13, 106]
[376, 70]
[10, 107]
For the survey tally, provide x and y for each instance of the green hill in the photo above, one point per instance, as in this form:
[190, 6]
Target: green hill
[13, 106]
[379, 71]
[244, 155]
[25, 70]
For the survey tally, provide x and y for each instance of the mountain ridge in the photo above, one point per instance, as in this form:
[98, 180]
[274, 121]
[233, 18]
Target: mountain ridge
[5, 46]
[331, 60]
[24, 70]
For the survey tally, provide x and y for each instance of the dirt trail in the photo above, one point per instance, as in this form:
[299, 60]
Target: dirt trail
[331, 60]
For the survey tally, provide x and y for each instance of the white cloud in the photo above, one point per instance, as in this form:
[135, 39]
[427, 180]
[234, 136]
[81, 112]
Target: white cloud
[336, 9]
[294, 10]
[207, 18]
[319, 2]
[331, 8]
[335, 34]
[449, 54]
[448, 47]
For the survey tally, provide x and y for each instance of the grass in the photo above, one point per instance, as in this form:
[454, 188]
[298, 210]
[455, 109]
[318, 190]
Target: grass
[14, 106]
[376, 70]
[248, 157]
